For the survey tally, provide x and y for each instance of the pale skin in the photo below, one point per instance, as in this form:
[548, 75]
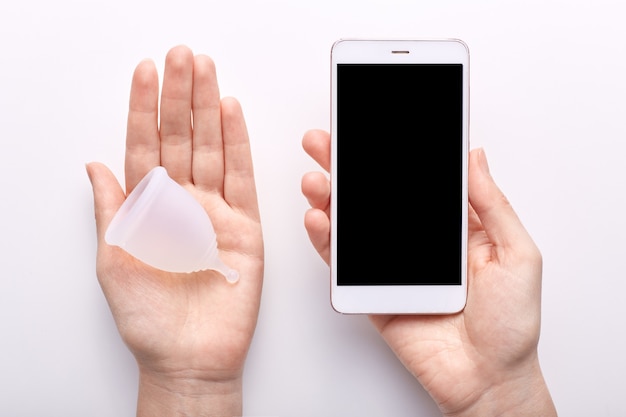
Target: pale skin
[483, 361]
[190, 333]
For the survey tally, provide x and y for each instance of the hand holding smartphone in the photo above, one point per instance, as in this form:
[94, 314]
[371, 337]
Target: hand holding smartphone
[399, 150]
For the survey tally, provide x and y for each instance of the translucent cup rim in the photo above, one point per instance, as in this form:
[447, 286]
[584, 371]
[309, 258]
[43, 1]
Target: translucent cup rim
[138, 201]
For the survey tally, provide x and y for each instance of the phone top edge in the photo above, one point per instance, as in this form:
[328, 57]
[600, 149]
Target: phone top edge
[346, 49]
[389, 40]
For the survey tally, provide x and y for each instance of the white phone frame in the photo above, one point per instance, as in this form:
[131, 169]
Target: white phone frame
[400, 299]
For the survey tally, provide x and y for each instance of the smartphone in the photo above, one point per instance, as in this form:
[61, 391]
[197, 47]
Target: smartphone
[399, 155]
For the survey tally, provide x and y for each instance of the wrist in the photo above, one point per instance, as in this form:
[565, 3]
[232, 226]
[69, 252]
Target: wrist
[520, 394]
[187, 393]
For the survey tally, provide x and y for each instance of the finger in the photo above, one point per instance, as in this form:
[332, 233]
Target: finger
[316, 188]
[108, 196]
[142, 134]
[175, 129]
[208, 152]
[239, 187]
[317, 225]
[316, 143]
[496, 214]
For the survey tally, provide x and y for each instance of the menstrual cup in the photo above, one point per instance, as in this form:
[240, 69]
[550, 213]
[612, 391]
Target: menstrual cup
[164, 226]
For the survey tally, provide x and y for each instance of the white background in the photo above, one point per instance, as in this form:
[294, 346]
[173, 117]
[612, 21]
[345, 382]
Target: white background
[548, 104]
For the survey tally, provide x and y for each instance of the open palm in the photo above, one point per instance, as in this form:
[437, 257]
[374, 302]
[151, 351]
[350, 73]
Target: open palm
[198, 322]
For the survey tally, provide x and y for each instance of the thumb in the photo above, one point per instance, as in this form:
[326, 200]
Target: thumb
[107, 194]
[501, 223]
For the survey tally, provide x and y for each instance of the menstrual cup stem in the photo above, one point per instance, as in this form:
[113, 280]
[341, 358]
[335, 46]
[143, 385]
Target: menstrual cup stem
[212, 261]
[231, 275]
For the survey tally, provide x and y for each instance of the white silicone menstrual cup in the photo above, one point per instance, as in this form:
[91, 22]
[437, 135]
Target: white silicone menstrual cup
[163, 225]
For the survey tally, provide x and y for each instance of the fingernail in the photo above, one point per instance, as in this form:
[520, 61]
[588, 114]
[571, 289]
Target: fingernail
[88, 172]
[482, 160]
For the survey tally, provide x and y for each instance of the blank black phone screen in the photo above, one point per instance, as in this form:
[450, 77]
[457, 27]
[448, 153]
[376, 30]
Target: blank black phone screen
[399, 174]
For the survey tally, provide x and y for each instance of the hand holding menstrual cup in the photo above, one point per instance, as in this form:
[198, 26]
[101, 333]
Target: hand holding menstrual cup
[164, 226]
